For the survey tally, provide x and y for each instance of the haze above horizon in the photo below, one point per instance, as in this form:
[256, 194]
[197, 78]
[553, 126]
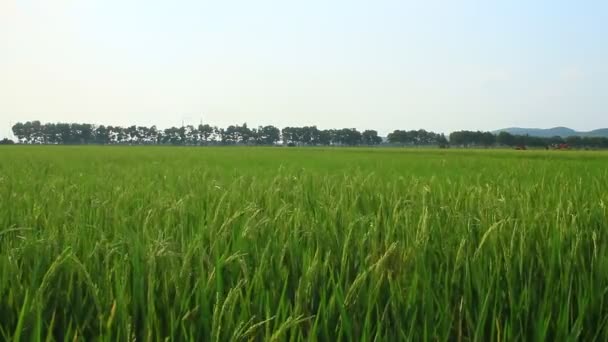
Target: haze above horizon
[380, 65]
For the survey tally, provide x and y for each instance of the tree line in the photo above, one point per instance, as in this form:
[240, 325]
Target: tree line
[488, 139]
[35, 132]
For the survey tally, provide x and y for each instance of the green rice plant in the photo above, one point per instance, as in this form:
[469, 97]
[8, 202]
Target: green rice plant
[231, 244]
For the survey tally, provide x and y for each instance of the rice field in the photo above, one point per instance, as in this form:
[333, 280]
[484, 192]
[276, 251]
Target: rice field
[290, 244]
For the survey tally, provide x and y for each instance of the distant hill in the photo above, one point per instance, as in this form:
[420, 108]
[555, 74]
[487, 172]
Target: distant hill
[602, 132]
[555, 131]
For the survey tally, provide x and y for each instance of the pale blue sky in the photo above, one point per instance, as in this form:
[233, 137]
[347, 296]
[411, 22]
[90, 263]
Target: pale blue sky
[439, 65]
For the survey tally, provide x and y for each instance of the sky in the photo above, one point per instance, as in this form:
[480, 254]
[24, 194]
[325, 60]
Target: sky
[382, 64]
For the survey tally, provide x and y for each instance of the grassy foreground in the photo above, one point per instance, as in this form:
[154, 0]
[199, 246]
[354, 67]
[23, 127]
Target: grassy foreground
[219, 244]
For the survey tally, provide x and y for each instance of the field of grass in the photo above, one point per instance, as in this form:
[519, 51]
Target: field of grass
[219, 244]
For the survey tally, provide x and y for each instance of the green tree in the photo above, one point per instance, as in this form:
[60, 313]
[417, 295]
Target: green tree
[268, 135]
[370, 137]
[205, 132]
[505, 139]
[19, 132]
[102, 135]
